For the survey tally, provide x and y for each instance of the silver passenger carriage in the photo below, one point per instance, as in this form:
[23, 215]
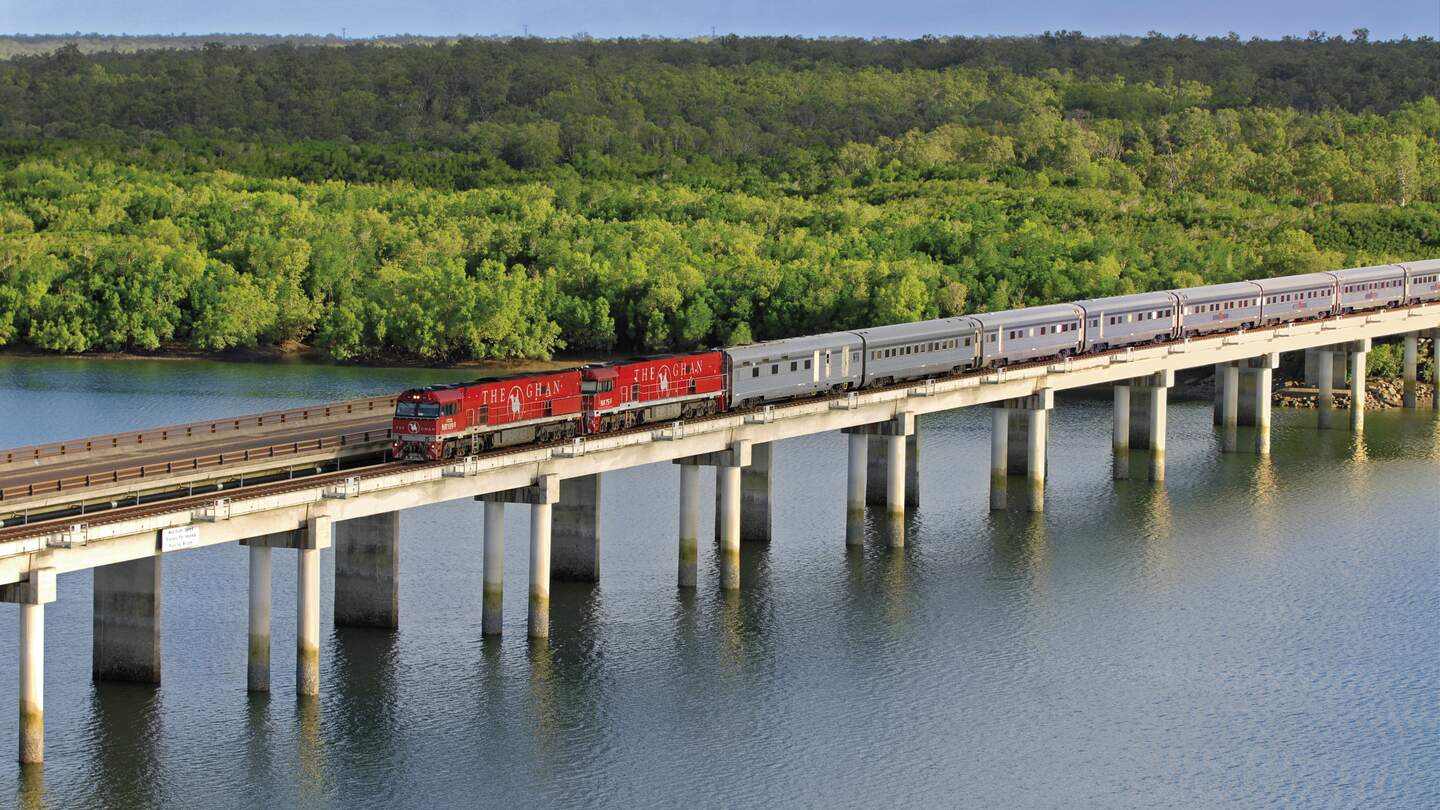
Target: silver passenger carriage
[1018, 335]
[1362, 288]
[1422, 280]
[908, 351]
[1125, 320]
[1297, 298]
[1219, 307]
[793, 367]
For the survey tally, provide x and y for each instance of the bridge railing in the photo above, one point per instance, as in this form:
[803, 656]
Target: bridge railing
[161, 469]
[177, 434]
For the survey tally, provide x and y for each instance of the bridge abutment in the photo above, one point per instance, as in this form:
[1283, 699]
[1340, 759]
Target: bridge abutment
[575, 549]
[126, 642]
[367, 571]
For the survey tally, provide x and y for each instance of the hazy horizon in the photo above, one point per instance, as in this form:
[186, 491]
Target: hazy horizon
[904, 19]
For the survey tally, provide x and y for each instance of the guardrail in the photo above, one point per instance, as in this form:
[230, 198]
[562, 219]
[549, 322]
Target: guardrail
[376, 405]
[215, 460]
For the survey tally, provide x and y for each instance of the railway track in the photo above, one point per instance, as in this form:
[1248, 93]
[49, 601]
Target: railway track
[122, 513]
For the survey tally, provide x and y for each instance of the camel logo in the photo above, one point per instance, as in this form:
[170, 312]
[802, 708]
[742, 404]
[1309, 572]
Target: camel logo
[664, 381]
[515, 401]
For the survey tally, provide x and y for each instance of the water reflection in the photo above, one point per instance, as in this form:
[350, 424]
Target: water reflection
[31, 787]
[310, 751]
[1019, 545]
[124, 727]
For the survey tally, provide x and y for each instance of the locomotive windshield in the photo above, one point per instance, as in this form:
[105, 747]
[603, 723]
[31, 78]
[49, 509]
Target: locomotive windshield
[420, 410]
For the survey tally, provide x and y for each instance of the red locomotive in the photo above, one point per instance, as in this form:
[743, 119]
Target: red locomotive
[652, 389]
[444, 421]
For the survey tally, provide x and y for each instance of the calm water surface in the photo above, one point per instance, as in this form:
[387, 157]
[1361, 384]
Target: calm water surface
[1255, 633]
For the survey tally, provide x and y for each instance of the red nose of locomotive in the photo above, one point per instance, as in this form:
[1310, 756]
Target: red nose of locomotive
[413, 430]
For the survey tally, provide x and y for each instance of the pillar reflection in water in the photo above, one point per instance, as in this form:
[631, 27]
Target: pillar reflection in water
[1019, 544]
[310, 750]
[126, 726]
[30, 787]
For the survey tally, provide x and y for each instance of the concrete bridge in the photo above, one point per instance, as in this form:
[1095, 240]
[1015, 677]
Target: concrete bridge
[313, 503]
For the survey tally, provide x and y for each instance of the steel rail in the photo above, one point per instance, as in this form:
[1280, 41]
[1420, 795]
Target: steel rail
[211, 461]
[174, 433]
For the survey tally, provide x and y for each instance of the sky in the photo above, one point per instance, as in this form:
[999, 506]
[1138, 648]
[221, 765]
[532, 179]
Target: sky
[1385, 19]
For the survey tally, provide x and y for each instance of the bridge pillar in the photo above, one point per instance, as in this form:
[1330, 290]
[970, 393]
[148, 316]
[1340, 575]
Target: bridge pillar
[1408, 373]
[257, 671]
[727, 463]
[318, 535]
[1148, 416]
[1357, 384]
[1120, 431]
[1262, 409]
[1220, 383]
[367, 571]
[492, 604]
[1435, 369]
[894, 474]
[1230, 406]
[727, 488]
[575, 550]
[876, 493]
[126, 641]
[1026, 438]
[538, 621]
[32, 594]
[754, 496]
[999, 455]
[1255, 394]
[855, 490]
[540, 496]
[1325, 383]
[689, 525]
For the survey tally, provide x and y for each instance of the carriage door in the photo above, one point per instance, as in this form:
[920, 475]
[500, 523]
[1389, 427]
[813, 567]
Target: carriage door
[827, 364]
[815, 367]
[845, 362]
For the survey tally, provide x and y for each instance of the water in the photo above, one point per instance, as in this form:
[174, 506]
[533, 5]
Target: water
[1255, 633]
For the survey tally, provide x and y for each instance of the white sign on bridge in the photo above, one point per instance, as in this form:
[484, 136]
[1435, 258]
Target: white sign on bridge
[179, 537]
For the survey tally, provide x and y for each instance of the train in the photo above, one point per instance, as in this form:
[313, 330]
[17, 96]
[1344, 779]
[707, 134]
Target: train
[446, 421]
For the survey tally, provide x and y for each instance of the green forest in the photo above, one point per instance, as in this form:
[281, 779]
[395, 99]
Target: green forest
[488, 199]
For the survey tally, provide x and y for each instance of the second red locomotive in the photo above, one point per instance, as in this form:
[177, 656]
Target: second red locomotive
[459, 419]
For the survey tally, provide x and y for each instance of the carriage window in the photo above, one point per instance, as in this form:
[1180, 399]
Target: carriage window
[775, 368]
[807, 360]
[794, 366]
[755, 372]
[967, 341]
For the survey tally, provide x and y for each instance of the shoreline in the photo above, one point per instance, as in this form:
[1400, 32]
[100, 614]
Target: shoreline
[305, 355]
